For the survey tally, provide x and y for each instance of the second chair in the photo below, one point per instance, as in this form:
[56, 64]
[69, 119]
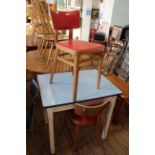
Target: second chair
[86, 114]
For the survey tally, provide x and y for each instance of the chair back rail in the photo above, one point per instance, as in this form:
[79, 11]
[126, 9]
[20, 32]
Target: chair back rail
[89, 110]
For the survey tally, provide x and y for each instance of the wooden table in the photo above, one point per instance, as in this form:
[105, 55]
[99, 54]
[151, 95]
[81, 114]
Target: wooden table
[58, 95]
[123, 98]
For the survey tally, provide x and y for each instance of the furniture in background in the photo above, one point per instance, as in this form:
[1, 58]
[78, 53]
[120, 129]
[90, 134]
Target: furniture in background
[114, 41]
[122, 100]
[38, 61]
[86, 114]
[122, 65]
[114, 50]
[31, 98]
[99, 37]
[49, 36]
[58, 96]
[76, 49]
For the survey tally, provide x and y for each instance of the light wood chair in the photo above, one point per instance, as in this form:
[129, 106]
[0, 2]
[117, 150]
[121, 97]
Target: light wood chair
[76, 49]
[48, 37]
[86, 114]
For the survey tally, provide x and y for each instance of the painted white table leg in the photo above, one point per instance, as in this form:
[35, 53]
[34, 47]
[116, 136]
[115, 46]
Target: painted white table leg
[109, 115]
[45, 116]
[51, 129]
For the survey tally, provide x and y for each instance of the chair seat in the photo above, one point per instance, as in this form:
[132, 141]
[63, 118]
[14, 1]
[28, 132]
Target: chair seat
[79, 46]
[81, 120]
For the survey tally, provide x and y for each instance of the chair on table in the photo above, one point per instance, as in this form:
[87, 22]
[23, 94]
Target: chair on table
[69, 20]
[31, 98]
[86, 114]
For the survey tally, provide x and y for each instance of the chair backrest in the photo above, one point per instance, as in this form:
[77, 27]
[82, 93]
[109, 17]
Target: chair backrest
[89, 109]
[66, 20]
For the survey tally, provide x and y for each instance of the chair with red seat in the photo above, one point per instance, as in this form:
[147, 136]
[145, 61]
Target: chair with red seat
[86, 114]
[69, 20]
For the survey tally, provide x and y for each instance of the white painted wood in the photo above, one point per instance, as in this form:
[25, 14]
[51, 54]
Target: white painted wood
[109, 115]
[63, 107]
[51, 129]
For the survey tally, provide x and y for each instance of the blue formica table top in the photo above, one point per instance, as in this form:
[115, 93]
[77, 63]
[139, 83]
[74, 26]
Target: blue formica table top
[61, 90]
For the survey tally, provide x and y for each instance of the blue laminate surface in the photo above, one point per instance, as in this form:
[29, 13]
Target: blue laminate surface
[61, 90]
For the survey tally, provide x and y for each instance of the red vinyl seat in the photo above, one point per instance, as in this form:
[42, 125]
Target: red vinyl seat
[79, 46]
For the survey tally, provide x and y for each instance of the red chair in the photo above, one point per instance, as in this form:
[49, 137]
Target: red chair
[69, 20]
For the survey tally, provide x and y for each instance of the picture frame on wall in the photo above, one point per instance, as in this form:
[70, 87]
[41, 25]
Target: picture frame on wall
[95, 14]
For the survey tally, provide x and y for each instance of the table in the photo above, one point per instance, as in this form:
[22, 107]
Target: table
[58, 95]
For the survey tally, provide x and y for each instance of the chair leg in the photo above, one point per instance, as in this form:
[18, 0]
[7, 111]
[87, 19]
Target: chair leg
[98, 134]
[99, 70]
[49, 56]
[64, 123]
[54, 65]
[76, 74]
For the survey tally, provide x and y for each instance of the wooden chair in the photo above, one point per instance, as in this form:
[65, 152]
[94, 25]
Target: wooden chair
[48, 37]
[76, 49]
[86, 114]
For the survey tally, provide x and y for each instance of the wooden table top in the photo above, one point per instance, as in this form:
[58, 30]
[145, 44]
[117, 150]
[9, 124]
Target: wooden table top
[121, 84]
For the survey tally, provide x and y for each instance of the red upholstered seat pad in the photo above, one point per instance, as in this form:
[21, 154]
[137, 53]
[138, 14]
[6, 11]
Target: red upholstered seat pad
[79, 45]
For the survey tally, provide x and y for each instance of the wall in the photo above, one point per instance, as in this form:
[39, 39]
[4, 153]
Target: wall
[86, 19]
[120, 15]
[96, 4]
[106, 8]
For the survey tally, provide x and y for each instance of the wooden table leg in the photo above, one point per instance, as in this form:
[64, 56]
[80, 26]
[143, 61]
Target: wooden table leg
[109, 115]
[51, 130]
